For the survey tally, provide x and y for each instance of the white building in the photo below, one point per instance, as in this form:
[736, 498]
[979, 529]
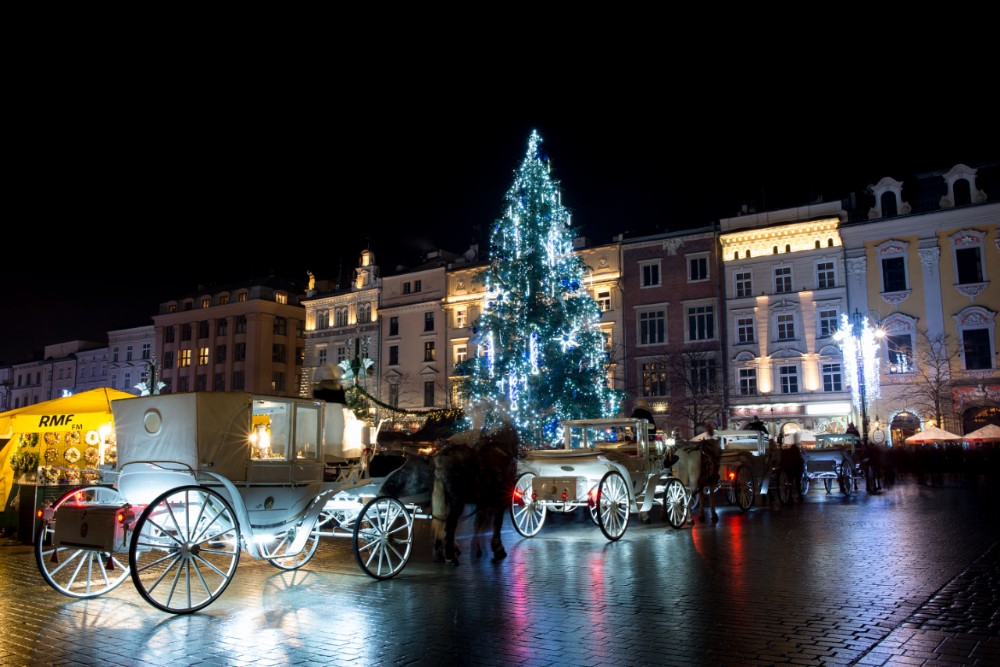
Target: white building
[131, 354]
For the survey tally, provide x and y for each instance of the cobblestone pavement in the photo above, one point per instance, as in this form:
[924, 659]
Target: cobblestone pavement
[907, 577]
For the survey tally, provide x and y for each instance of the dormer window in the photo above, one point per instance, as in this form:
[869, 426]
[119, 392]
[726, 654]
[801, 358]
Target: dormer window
[962, 191]
[889, 202]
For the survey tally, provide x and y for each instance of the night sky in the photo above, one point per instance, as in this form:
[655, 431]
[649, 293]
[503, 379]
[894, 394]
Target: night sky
[122, 208]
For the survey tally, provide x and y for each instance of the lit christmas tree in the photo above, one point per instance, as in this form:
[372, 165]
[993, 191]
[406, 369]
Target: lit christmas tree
[538, 343]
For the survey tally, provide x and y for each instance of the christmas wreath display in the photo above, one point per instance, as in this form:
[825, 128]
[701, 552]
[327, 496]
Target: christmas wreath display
[53, 438]
[91, 456]
[51, 456]
[73, 438]
[72, 455]
[29, 439]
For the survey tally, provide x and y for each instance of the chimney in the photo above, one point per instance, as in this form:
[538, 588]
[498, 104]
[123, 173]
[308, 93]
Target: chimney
[580, 242]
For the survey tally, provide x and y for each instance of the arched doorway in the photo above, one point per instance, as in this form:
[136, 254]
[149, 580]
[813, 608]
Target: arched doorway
[978, 417]
[903, 425]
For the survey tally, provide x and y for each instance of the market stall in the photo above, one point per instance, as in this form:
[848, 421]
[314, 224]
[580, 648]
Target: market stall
[52, 445]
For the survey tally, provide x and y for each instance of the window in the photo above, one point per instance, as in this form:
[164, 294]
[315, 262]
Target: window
[202, 356]
[220, 354]
[429, 351]
[786, 326]
[240, 324]
[970, 265]
[654, 379]
[278, 352]
[406, 288]
[219, 382]
[893, 274]
[186, 331]
[783, 280]
[321, 356]
[221, 326]
[701, 323]
[461, 318]
[277, 381]
[341, 354]
[183, 383]
[300, 356]
[789, 379]
[223, 299]
[203, 329]
[603, 298]
[748, 381]
[744, 284]
[461, 353]
[744, 330]
[827, 323]
[394, 394]
[416, 285]
[239, 381]
[393, 355]
[429, 394]
[899, 349]
[702, 376]
[831, 377]
[650, 274]
[651, 327]
[201, 382]
[428, 321]
[393, 326]
[280, 327]
[114, 382]
[281, 298]
[825, 277]
[323, 319]
[168, 359]
[172, 308]
[978, 353]
[364, 311]
[206, 302]
[340, 317]
[168, 336]
[184, 358]
[147, 350]
[114, 356]
[240, 353]
[128, 353]
[697, 269]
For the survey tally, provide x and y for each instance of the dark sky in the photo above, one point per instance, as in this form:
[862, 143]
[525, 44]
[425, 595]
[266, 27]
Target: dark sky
[118, 207]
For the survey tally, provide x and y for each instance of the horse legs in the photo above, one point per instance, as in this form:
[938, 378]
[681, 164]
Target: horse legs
[711, 500]
[499, 553]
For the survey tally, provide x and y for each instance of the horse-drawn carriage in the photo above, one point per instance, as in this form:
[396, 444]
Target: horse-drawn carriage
[833, 459]
[202, 477]
[748, 465]
[608, 466]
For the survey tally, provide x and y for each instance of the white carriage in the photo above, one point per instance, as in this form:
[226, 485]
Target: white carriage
[608, 466]
[202, 477]
[833, 459]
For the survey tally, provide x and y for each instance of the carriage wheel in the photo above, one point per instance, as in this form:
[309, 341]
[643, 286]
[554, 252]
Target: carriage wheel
[675, 503]
[743, 487]
[828, 484]
[592, 507]
[526, 514]
[612, 505]
[784, 488]
[383, 537]
[872, 482]
[805, 483]
[846, 480]
[185, 549]
[283, 541]
[79, 573]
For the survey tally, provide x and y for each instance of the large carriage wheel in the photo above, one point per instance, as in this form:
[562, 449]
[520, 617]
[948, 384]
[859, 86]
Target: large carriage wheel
[675, 502]
[383, 537]
[805, 483]
[743, 487]
[278, 551]
[828, 484]
[79, 573]
[846, 479]
[784, 488]
[526, 514]
[185, 549]
[612, 505]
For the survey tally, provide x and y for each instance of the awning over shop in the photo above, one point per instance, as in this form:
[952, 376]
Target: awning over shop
[86, 411]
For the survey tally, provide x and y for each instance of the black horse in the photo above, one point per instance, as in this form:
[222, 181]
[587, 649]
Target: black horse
[793, 463]
[474, 470]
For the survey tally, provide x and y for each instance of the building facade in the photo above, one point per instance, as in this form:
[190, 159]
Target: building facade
[52, 376]
[131, 358]
[242, 337]
[672, 332]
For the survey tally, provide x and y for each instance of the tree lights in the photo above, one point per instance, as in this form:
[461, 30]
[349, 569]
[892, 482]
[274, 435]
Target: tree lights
[538, 343]
[859, 342]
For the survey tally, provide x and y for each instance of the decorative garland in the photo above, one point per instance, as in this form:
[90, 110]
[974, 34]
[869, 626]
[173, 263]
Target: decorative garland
[358, 394]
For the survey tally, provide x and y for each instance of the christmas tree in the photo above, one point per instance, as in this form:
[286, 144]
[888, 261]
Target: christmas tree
[538, 345]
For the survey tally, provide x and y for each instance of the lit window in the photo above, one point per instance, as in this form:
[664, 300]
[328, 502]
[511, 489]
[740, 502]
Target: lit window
[206, 302]
[242, 296]
[603, 299]
[461, 353]
[429, 351]
[184, 358]
[899, 349]
[461, 318]
[203, 356]
[654, 379]
[281, 298]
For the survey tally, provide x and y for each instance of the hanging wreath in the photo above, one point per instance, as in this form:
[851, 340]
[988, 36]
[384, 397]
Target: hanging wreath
[93, 438]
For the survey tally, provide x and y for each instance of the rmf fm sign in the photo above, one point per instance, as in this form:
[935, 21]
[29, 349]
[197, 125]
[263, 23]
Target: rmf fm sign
[53, 421]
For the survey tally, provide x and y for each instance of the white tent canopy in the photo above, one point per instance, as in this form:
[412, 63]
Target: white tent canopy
[933, 434]
[988, 432]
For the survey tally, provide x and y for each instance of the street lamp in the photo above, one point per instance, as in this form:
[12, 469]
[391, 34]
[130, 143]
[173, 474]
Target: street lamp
[858, 341]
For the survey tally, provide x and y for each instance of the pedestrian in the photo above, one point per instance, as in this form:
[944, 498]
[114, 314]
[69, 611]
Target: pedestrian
[713, 451]
[852, 430]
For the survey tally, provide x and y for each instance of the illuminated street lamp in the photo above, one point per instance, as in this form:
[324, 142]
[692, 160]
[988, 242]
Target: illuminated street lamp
[858, 341]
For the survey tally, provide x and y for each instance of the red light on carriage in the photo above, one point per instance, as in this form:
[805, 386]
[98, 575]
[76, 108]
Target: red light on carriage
[731, 475]
[120, 517]
[564, 495]
[79, 496]
[39, 514]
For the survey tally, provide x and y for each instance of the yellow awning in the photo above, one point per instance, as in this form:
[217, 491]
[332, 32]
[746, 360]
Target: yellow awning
[86, 411]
